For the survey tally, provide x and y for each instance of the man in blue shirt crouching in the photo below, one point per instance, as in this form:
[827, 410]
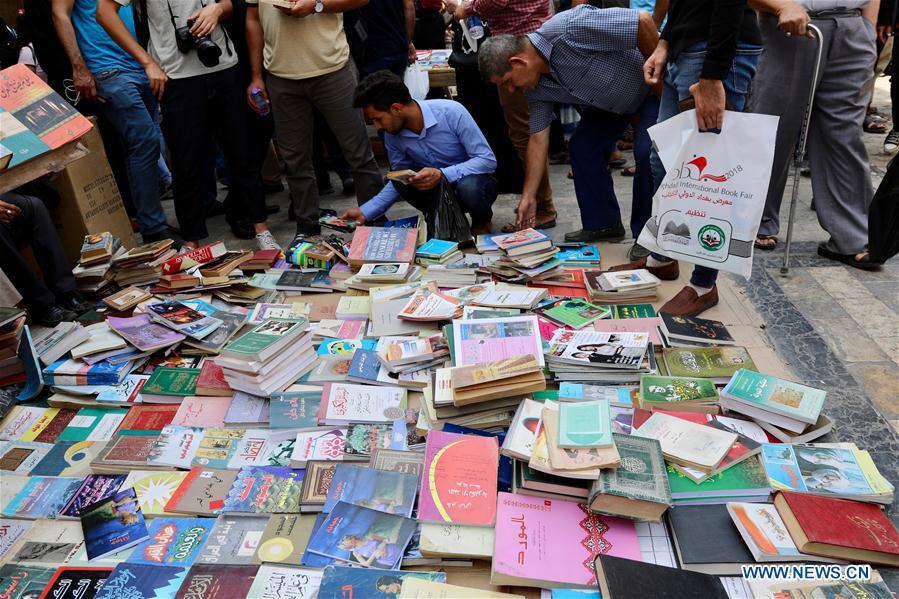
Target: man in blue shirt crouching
[436, 138]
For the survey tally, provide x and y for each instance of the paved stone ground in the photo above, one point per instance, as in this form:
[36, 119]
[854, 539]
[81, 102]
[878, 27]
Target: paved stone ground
[826, 324]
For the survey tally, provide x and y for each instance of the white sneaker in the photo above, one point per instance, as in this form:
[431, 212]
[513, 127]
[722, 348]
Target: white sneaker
[891, 143]
[267, 241]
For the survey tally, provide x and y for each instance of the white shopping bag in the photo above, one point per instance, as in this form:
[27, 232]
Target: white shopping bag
[416, 79]
[708, 208]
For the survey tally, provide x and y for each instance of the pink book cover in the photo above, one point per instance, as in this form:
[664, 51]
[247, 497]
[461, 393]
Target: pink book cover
[459, 481]
[631, 325]
[557, 541]
[351, 329]
[202, 411]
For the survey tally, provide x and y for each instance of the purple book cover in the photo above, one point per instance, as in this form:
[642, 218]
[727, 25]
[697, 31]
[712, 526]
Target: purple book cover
[140, 332]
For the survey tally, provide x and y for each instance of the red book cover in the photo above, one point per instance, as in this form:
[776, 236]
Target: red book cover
[843, 523]
[377, 244]
[201, 255]
[148, 417]
[212, 380]
[52, 430]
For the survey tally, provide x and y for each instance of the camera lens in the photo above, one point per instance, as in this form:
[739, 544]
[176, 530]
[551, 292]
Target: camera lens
[207, 51]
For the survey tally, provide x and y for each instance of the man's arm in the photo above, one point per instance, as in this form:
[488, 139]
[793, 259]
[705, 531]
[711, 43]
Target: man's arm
[481, 160]
[870, 11]
[534, 167]
[409, 17]
[108, 18]
[659, 12]
[207, 18]
[81, 76]
[792, 18]
[255, 43]
[388, 196]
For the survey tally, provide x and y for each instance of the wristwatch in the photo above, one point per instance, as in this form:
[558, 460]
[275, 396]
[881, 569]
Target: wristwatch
[319, 5]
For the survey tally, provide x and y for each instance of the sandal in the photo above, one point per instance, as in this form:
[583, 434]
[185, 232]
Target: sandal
[768, 247]
[874, 123]
[629, 171]
[850, 259]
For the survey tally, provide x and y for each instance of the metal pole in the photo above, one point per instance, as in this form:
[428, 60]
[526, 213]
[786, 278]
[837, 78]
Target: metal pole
[799, 154]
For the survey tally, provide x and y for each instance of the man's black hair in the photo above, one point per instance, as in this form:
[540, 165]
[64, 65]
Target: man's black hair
[381, 90]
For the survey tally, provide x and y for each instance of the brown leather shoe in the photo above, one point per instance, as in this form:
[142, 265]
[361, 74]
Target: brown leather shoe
[688, 303]
[666, 272]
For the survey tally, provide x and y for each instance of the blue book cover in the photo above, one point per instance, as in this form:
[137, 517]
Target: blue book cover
[21, 141]
[265, 490]
[112, 524]
[384, 245]
[34, 381]
[42, 497]
[585, 254]
[505, 473]
[616, 395]
[173, 541]
[95, 487]
[410, 222]
[66, 455]
[313, 560]
[365, 366]
[434, 248]
[340, 582]
[76, 372]
[389, 492]
[295, 409]
[344, 347]
[363, 536]
[140, 581]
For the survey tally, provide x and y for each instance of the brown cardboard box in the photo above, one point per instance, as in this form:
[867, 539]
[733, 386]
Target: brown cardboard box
[90, 199]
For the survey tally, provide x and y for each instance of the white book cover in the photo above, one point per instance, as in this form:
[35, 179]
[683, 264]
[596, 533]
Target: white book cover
[387, 271]
[18, 421]
[100, 338]
[519, 442]
[688, 441]
[176, 446]
[624, 280]
[344, 403]
[509, 297]
[285, 582]
[319, 445]
[262, 447]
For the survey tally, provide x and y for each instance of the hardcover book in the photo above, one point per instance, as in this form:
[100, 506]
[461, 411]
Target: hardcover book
[148, 417]
[112, 524]
[208, 581]
[707, 541]
[202, 492]
[212, 381]
[265, 490]
[638, 488]
[618, 577]
[170, 385]
[561, 540]
[363, 536]
[459, 482]
[172, 542]
[390, 492]
[233, 540]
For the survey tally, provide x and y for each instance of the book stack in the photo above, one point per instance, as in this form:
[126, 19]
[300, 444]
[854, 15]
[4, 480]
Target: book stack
[268, 358]
[94, 270]
[524, 256]
[372, 276]
[621, 287]
[310, 253]
[142, 265]
[261, 260]
[682, 394]
[690, 331]
[12, 323]
[582, 356]
[437, 251]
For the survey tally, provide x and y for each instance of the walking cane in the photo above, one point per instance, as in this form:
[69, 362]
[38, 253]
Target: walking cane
[799, 154]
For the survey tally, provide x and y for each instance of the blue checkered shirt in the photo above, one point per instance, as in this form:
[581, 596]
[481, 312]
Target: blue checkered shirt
[593, 60]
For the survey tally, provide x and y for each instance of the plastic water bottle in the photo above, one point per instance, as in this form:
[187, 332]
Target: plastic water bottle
[260, 101]
[475, 27]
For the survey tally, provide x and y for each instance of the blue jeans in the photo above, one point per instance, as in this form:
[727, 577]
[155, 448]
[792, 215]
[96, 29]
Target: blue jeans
[131, 108]
[679, 76]
[591, 145]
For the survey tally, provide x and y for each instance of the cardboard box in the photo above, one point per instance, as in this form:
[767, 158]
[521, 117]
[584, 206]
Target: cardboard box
[90, 200]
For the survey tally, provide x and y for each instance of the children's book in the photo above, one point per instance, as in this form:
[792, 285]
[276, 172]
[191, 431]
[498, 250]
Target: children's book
[113, 524]
[363, 536]
[459, 482]
[390, 492]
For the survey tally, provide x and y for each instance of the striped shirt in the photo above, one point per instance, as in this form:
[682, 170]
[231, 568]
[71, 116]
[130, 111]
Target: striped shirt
[593, 60]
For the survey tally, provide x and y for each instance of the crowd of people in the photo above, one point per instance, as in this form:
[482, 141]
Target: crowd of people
[195, 89]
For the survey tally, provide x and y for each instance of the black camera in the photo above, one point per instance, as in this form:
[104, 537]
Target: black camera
[207, 50]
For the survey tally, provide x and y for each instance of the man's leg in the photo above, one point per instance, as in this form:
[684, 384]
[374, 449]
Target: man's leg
[591, 145]
[476, 194]
[517, 115]
[131, 107]
[332, 94]
[641, 207]
[841, 178]
[293, 129]
[33, 226]
[29, 285]
[185, 124]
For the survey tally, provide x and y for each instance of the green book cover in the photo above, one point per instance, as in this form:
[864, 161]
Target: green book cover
[585, 424]
[633, 311]
[93, 424]
[667, 389]
[748, 478]
[450, 341]
[642, 474]
[707, 362]
[172, 381]
[265, 335]
[776, 395]
[577, 313]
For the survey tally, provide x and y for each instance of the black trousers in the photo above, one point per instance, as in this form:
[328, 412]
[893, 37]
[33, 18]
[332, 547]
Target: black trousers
[33, 227]
[194, 111]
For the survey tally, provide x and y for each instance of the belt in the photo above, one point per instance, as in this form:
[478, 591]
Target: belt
[835, 12]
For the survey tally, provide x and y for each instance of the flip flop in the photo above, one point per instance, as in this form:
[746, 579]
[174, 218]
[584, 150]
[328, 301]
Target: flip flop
[765, 247]
[849, 259]
[874, 123]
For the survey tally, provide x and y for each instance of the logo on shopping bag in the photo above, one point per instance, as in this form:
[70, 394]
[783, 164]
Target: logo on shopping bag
[711, 238]
[696, 170]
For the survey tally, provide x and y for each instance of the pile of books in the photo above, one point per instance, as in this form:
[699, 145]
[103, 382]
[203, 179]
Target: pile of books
[382, 416]
[623, 286]
[94, 270]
